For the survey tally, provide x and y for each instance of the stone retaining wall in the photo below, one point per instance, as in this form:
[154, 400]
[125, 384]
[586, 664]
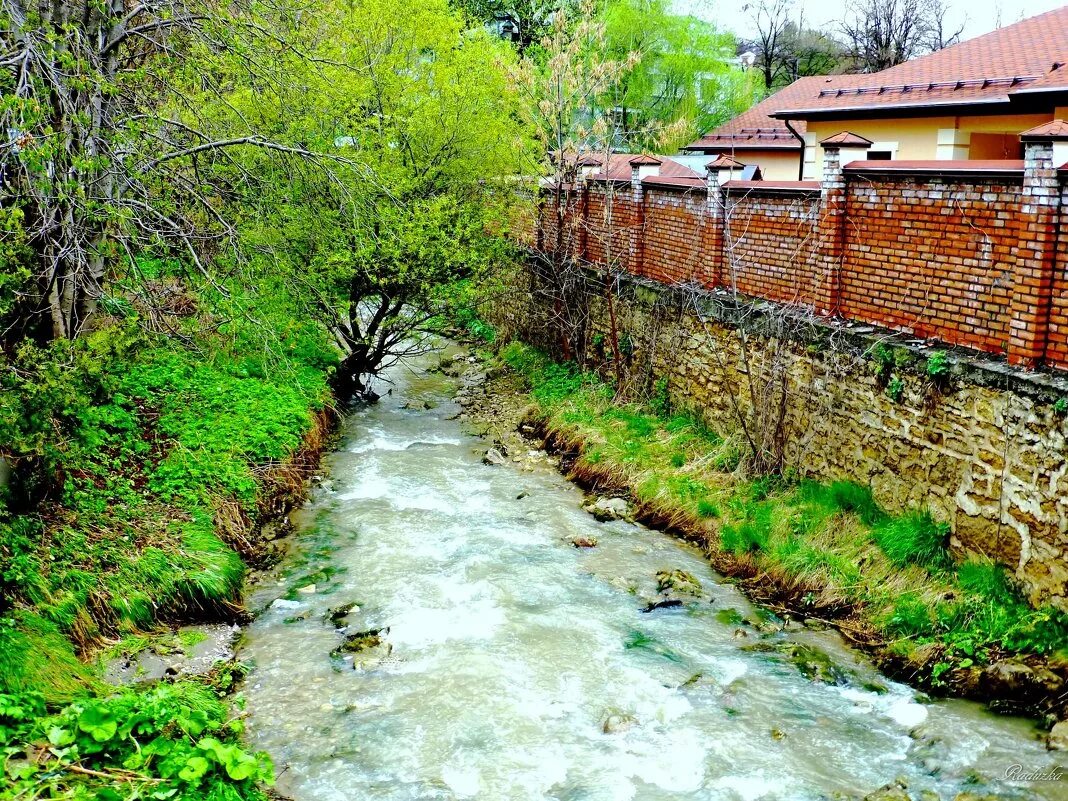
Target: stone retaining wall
[985, 452]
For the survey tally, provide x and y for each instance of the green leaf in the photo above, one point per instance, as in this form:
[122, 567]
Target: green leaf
[195, 767]
[59, 737]
[98, 722]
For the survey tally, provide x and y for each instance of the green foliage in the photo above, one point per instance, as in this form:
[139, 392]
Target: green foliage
[895, 389]
[132, 441]
[170, 741]
[1060, 406]
[660, 402]
[917, 538]
[685, 76]
[458, 306]
[938, 366]
[846, 496]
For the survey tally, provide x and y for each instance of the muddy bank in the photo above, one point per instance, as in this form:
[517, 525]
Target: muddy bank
[499, 407]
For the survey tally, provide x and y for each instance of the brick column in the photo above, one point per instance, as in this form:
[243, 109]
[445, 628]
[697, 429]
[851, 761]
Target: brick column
[830, 232]
[637, 222]
[715, 232]
[582, 235]
[1033, 277]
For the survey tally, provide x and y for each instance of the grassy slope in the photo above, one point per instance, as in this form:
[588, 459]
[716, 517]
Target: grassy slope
[149, 456]
[823, 550]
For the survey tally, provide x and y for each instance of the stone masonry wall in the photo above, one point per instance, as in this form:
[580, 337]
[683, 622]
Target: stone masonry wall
[986, 455]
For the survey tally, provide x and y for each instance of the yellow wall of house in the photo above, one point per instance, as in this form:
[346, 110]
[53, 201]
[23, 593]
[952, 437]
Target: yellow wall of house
[919, 137]
[775, 165]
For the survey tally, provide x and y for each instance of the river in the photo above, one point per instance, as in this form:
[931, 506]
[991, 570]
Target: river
[514, 666]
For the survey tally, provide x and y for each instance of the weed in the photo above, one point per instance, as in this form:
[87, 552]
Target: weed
[895, 389]
[916, 538]
[938, 367]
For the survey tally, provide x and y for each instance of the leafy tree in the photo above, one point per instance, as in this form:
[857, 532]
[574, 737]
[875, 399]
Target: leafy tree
[683, 70]
[533, 17]
[419, 117]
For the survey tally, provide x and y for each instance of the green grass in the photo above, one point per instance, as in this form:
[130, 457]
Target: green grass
[140, 456]
[830, 544]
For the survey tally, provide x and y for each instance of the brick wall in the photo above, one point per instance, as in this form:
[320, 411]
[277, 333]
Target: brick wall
[932, 257]
[675, 231]
[770, 245]
[975, 257]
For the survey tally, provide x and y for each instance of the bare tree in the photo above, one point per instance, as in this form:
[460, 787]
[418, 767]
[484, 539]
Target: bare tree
[772, 21]
[884, 33]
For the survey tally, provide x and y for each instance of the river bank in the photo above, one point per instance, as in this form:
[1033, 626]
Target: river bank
[173, 468]
[580, 439]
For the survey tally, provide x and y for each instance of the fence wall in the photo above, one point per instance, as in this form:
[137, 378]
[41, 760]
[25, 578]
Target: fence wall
[972, 256]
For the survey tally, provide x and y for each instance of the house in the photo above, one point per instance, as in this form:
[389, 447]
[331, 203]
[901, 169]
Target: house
[970, 101]
[755, 137]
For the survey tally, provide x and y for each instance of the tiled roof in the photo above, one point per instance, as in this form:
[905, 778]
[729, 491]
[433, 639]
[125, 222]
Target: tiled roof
[755, 129]
[1020, 59]
[846, 139]
[619, 168]
[1057, 129]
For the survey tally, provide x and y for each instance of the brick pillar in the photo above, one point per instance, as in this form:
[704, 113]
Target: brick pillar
[1033, 278]
[830, 233]
[637, 222]
[715, 233]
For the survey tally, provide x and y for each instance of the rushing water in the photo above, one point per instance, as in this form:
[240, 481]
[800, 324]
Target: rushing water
[510, 649]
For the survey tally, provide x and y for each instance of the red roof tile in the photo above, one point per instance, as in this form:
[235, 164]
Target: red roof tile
[619, 168]
[1024, 58]
[755, 129]
[724, 161]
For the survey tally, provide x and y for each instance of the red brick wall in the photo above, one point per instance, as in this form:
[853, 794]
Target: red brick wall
[611, 226]
[770, 245]
[932, 257]
[675, 232]
[935, 256]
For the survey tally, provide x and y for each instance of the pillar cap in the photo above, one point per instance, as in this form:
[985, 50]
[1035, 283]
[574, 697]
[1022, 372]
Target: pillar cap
[1055, 131]
[645, 160]
[723, 161]
[845, 139]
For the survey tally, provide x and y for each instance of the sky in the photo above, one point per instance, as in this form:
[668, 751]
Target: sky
[978, 16]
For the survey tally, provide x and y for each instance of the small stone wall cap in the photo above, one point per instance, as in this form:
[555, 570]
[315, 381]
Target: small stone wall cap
[1047, 131]
[846, 139]
[645, 160]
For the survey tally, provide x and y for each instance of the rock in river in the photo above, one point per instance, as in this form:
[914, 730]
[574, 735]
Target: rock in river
[605, 509]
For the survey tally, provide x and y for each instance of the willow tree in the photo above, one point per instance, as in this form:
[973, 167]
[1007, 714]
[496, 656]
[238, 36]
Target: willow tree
[685, 71]
[103, 146]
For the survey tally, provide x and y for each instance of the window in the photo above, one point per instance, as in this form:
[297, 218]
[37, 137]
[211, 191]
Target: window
[880, 155]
